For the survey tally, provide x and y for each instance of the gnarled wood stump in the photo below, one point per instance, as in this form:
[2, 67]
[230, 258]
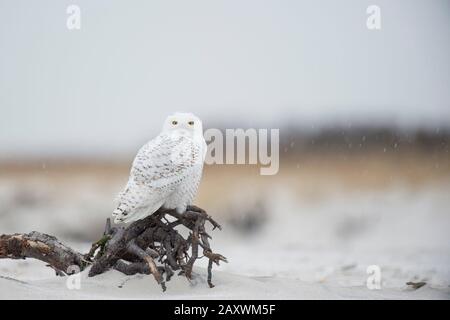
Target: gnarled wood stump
[152, 245]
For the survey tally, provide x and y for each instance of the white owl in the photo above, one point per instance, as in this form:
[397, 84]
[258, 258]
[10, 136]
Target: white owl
[166, 171]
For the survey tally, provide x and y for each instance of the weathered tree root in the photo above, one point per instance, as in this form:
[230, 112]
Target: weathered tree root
[149, 246]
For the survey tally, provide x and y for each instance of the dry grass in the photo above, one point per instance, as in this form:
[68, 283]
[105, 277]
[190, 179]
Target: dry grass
[308, 174]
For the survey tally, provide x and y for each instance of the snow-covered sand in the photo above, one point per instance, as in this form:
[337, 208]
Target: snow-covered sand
[114, 285]
[305, 250]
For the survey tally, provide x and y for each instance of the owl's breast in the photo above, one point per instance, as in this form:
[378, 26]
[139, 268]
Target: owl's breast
[188, 158]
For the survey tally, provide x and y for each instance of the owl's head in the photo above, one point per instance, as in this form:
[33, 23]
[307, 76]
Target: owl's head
[183, 123]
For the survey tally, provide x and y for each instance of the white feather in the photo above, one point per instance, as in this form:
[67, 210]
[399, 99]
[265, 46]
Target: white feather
[166, 171]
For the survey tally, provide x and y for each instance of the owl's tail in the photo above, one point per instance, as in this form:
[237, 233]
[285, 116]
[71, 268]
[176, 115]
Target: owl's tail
[120, 215]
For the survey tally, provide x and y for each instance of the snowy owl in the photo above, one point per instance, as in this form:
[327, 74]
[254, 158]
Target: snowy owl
[166, 171]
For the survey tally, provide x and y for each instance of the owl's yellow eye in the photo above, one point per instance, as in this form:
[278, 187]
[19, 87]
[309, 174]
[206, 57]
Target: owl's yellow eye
[191, 123]
[174, 122]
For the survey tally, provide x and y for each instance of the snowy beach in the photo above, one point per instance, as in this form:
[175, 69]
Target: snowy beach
[304, 249]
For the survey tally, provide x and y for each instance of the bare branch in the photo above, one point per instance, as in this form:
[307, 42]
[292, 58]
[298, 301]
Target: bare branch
[152, 245]
[42, 247]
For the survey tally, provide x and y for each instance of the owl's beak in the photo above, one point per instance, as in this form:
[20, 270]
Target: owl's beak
[183, 131]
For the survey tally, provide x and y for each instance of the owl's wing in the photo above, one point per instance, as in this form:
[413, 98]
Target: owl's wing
[158, 168]
[165, 160]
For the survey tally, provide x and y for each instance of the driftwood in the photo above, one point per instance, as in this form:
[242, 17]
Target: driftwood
[149, 246]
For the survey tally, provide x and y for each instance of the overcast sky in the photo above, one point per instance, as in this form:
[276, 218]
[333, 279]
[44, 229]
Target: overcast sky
[109, 86]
